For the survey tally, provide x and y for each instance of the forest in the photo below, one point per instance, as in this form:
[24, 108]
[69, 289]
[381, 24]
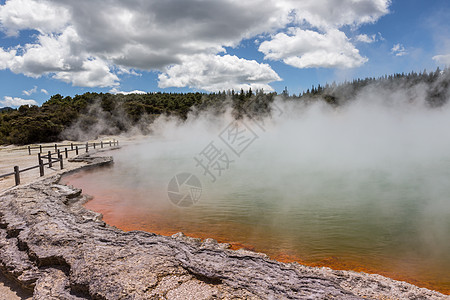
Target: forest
[92, 114]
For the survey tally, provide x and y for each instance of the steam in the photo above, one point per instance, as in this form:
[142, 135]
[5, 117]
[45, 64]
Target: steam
[373, 131]
[370, 176]
[390, 132]
[98, 121]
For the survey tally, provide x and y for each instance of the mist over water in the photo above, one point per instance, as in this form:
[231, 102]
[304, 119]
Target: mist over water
[362, 186]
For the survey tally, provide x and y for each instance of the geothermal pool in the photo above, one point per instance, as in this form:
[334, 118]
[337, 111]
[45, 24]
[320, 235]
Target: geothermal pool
[397, 229]
[366, 190]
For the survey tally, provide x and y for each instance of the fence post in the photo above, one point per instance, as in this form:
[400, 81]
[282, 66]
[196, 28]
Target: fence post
[101, 144]
[29, 150]
[61, 161]
[87, 147]
[58, 153]
[17, 175]
[39, 157]
[50, 159]
[40, 148]
[94, 145]
[56, 147]
[41, 167]
[110, 143]
[76, 149]
[65, 149]
[71, 146]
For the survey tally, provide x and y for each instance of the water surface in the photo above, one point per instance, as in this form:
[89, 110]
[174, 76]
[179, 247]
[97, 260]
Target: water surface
[390, 218]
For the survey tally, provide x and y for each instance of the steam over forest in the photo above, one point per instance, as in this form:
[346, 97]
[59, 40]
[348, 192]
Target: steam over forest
[91, 114]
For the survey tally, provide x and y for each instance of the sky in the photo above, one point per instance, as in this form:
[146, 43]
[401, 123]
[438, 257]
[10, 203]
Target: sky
[71, 47]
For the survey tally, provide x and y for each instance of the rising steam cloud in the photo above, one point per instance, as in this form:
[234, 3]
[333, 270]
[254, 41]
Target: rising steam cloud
[366, 177]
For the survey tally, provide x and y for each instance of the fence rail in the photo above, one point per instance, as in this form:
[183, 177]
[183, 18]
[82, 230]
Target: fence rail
[56, 157]
[72, 145]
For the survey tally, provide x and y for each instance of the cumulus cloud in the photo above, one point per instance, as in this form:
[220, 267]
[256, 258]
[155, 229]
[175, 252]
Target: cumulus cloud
[29, 92]
[5, 58]
[398, 50]
[327, 14]
[90, 43]
[216, 73]
[442, 59]
[62, 56]
[34, 90]
[364, 38]
[153, 33]
[91, 38]
[15, 102]
[92, 73]
[35, 15]
[50, 53]
[307, 49]
[117, 91]
[324, 44]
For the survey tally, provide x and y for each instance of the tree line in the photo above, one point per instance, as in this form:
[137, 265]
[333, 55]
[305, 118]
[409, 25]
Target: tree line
[69, 117]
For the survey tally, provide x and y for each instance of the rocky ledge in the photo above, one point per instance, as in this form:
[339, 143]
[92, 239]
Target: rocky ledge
[54, 247]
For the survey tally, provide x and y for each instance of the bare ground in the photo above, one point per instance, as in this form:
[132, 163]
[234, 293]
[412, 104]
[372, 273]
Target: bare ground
[11, 156]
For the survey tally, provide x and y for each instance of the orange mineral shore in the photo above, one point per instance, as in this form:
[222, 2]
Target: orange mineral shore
[138, 219]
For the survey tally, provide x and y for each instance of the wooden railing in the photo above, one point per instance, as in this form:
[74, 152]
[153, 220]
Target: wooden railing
[57, 156]
[72, 145]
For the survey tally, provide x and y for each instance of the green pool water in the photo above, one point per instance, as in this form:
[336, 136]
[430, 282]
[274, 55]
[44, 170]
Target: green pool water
[391, 217]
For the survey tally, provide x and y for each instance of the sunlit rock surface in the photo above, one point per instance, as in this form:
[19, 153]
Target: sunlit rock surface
[51, 244]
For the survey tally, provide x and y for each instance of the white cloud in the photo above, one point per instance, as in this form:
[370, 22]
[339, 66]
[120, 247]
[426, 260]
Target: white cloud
[92, 73]
[5, 58]
[42, 16]
[442, 59]
[398, 50]
[88, 43]
[121, 71]
[326, 14]
[59, 55]
[217, 73]
[15, 102]
[364, 38]
[44, 91]
[148, 35]
[50, 53]
[29, 92]
[307, 49]
[116, 91]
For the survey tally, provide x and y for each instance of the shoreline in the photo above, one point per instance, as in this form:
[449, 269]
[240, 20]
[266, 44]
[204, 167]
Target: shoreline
[286, 258]
[294, 259]
[35, 258]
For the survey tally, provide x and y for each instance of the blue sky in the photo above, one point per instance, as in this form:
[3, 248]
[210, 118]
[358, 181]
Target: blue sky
[54, 46]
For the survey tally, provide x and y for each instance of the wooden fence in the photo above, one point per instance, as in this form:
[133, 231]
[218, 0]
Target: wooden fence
[57, 156]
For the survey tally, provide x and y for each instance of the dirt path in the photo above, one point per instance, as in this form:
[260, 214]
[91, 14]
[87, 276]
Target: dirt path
[11, 156]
